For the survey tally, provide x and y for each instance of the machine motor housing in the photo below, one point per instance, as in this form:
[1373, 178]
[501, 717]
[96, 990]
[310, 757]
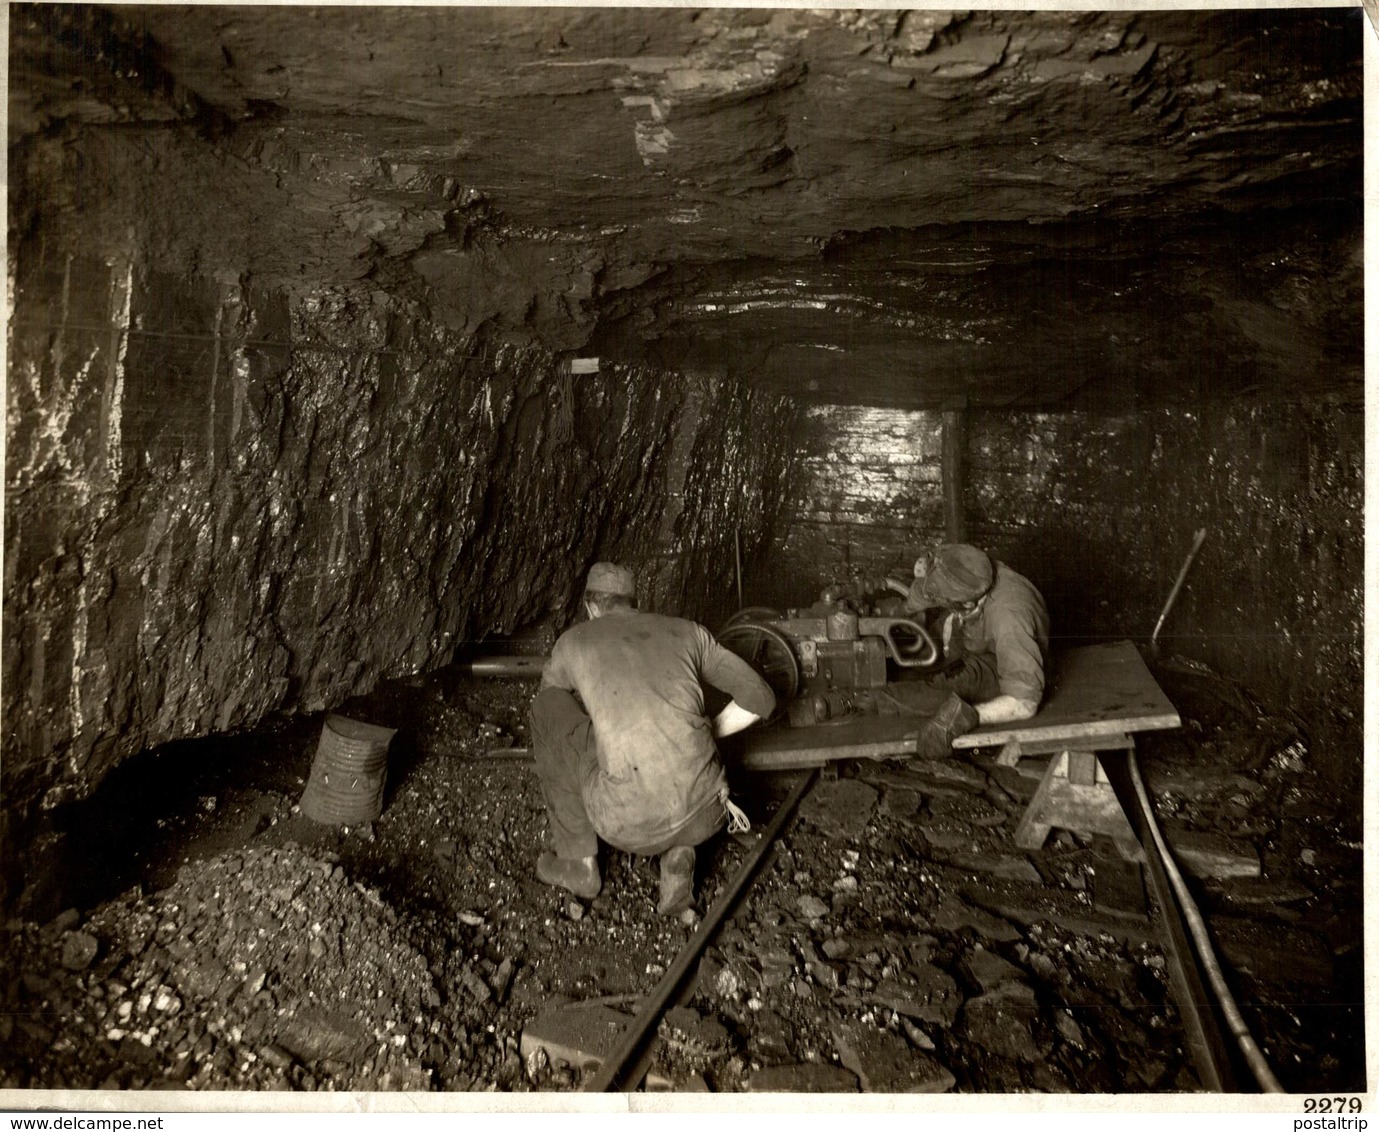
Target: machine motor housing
[841, 657]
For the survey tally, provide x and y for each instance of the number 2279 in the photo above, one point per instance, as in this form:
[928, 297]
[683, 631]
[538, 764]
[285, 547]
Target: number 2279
[1332, 1104]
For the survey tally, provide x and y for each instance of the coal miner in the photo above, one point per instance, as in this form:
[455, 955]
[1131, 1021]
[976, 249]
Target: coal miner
[622, 744]
[995, 641]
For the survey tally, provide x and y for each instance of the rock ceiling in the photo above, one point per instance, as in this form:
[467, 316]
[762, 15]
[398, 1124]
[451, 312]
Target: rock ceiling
[853, 204]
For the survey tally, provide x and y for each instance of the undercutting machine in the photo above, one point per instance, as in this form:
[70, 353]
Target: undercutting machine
[829, 660]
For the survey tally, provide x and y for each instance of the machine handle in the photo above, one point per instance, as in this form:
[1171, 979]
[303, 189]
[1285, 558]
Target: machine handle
[885, 626]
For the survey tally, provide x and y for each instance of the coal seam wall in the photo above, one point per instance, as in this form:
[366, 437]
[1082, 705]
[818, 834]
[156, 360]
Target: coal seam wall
[1099, 511]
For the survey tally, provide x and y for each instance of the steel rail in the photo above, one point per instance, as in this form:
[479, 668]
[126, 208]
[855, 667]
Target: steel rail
[621, 1070]
[1206, 1042]
[1249, 1050]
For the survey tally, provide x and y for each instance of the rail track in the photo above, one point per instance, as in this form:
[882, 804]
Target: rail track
[625, 1067]
[1221, 1050]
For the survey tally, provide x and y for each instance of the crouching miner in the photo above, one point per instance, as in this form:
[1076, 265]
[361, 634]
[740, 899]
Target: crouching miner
[623, 748]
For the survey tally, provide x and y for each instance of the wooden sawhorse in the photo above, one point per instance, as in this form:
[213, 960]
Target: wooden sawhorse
[1098, 696]
[1075, 792]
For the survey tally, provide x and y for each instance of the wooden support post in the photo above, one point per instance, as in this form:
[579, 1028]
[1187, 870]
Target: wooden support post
[954, 455]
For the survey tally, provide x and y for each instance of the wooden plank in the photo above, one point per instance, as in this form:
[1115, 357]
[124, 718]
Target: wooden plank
[582, 1036]
[1211, 855]
[1012, 751]
[1098, 693]
[862, 737]
[1095, 690]
[1074, 920]
[1111, 741]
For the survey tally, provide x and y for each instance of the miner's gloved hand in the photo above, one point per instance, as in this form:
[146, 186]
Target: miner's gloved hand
[954, 717]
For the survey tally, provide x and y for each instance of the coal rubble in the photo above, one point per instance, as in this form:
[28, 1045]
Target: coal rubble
[260, 969]
[894, 940]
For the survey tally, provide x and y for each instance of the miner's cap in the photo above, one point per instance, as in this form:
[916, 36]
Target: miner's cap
[957, 573]
[610, 578]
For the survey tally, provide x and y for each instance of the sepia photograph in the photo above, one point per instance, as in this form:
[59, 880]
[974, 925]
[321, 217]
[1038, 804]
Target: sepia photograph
[684, 551]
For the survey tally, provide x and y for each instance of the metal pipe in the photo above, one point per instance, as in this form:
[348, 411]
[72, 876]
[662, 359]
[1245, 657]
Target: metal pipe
[1197, 541]
[1249, 1049]
[505, 665]
[612, 1072]
[924, 645]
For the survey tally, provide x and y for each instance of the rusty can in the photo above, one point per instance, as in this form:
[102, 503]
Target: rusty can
[348, 773]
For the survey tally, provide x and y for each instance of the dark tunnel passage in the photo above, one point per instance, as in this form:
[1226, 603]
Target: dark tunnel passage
[344, 342]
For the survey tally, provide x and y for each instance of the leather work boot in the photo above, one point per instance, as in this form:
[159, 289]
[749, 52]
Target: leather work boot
[677, 881]
[578, 874]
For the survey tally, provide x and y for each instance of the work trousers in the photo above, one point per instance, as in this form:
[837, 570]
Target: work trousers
[972, 678]
[567, 764]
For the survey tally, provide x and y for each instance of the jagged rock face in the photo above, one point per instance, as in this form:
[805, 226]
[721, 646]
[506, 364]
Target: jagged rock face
[668, 184]
[223, 504]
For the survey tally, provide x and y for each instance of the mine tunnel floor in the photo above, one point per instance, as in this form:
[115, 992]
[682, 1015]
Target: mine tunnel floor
[895, 940]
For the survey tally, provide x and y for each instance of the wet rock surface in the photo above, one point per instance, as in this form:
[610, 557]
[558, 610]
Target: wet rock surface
[874, 139]
[260, 950]
[417, 490]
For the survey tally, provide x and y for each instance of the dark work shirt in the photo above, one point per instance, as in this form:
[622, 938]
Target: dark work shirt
[639, 677]
[1012, 624]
